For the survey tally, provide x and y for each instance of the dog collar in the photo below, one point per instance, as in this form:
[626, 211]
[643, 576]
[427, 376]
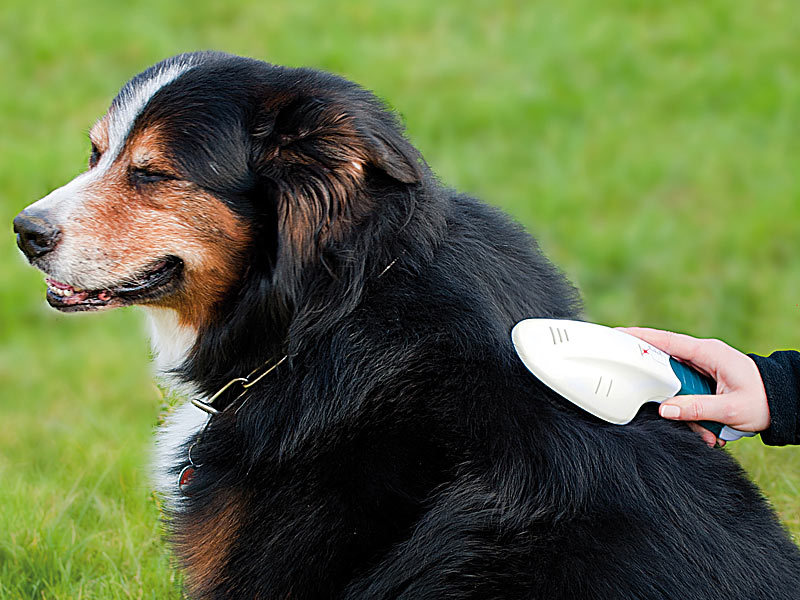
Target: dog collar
[188, 472]
[245, 382]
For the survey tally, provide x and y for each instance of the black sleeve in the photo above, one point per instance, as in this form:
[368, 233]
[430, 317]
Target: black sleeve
[781, 375]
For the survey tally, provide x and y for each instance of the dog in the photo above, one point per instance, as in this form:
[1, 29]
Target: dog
[357, 424]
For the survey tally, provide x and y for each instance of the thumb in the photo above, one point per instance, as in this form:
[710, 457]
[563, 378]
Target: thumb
[694, 408]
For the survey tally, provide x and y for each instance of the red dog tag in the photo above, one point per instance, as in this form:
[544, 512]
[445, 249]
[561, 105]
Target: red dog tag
[185, 479]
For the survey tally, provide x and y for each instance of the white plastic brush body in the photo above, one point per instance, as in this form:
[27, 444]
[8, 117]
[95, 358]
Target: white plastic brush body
[606, 372]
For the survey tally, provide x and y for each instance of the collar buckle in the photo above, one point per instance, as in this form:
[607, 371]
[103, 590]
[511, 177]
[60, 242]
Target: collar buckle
[245, 382]
[207, 406]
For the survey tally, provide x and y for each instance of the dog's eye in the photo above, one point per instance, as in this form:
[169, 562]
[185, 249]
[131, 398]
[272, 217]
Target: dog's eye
[144, 176]
[94, 157]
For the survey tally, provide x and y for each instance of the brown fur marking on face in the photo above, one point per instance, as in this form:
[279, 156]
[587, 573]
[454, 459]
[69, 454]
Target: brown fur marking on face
[129, 227]
[204, 543]
[146, 152]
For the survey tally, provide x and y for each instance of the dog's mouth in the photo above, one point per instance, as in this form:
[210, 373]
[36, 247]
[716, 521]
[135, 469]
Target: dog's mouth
[154, 282]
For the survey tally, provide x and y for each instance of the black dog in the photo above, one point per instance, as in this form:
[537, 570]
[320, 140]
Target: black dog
[379, 439]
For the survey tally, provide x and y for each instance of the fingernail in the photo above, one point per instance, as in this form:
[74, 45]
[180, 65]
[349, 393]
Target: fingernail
[668, 411]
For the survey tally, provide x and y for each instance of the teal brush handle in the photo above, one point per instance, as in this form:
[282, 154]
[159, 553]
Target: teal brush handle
[694, 383]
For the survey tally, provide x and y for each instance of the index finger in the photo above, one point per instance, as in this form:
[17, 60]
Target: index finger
[680, 346]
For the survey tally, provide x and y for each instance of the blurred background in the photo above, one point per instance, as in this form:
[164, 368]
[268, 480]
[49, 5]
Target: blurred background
[651, 146]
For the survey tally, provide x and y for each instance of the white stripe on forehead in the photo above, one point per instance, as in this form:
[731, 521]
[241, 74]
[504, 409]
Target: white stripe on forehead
[132, 100]
[68, 199]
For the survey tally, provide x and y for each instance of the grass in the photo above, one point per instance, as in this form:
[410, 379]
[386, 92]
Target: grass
[650, 146]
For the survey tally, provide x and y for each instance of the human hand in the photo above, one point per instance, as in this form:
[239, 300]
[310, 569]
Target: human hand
[741, 400]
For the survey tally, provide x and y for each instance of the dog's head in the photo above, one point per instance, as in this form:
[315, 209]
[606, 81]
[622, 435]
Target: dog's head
[205, 166]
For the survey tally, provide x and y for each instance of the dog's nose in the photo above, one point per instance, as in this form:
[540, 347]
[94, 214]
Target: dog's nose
[35, 235]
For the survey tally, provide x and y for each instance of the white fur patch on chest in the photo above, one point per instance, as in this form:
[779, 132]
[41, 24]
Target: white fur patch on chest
[171, 344]
[170, 341]
[183, 424]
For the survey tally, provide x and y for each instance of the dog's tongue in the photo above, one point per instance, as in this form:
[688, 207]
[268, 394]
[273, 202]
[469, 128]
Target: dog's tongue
[76, 298]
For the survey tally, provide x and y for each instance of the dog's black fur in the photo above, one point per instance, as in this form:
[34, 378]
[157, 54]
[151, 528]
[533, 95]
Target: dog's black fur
[403, 451]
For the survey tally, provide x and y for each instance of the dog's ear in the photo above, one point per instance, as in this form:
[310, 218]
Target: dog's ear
[392, 153]
[322, 161]
[342, 138]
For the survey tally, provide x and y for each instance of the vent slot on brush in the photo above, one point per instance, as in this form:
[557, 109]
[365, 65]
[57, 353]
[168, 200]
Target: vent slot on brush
[560, 336]
[603, 389]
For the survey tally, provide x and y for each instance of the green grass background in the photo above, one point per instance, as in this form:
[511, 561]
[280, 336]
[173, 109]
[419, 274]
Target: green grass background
[651, 146]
